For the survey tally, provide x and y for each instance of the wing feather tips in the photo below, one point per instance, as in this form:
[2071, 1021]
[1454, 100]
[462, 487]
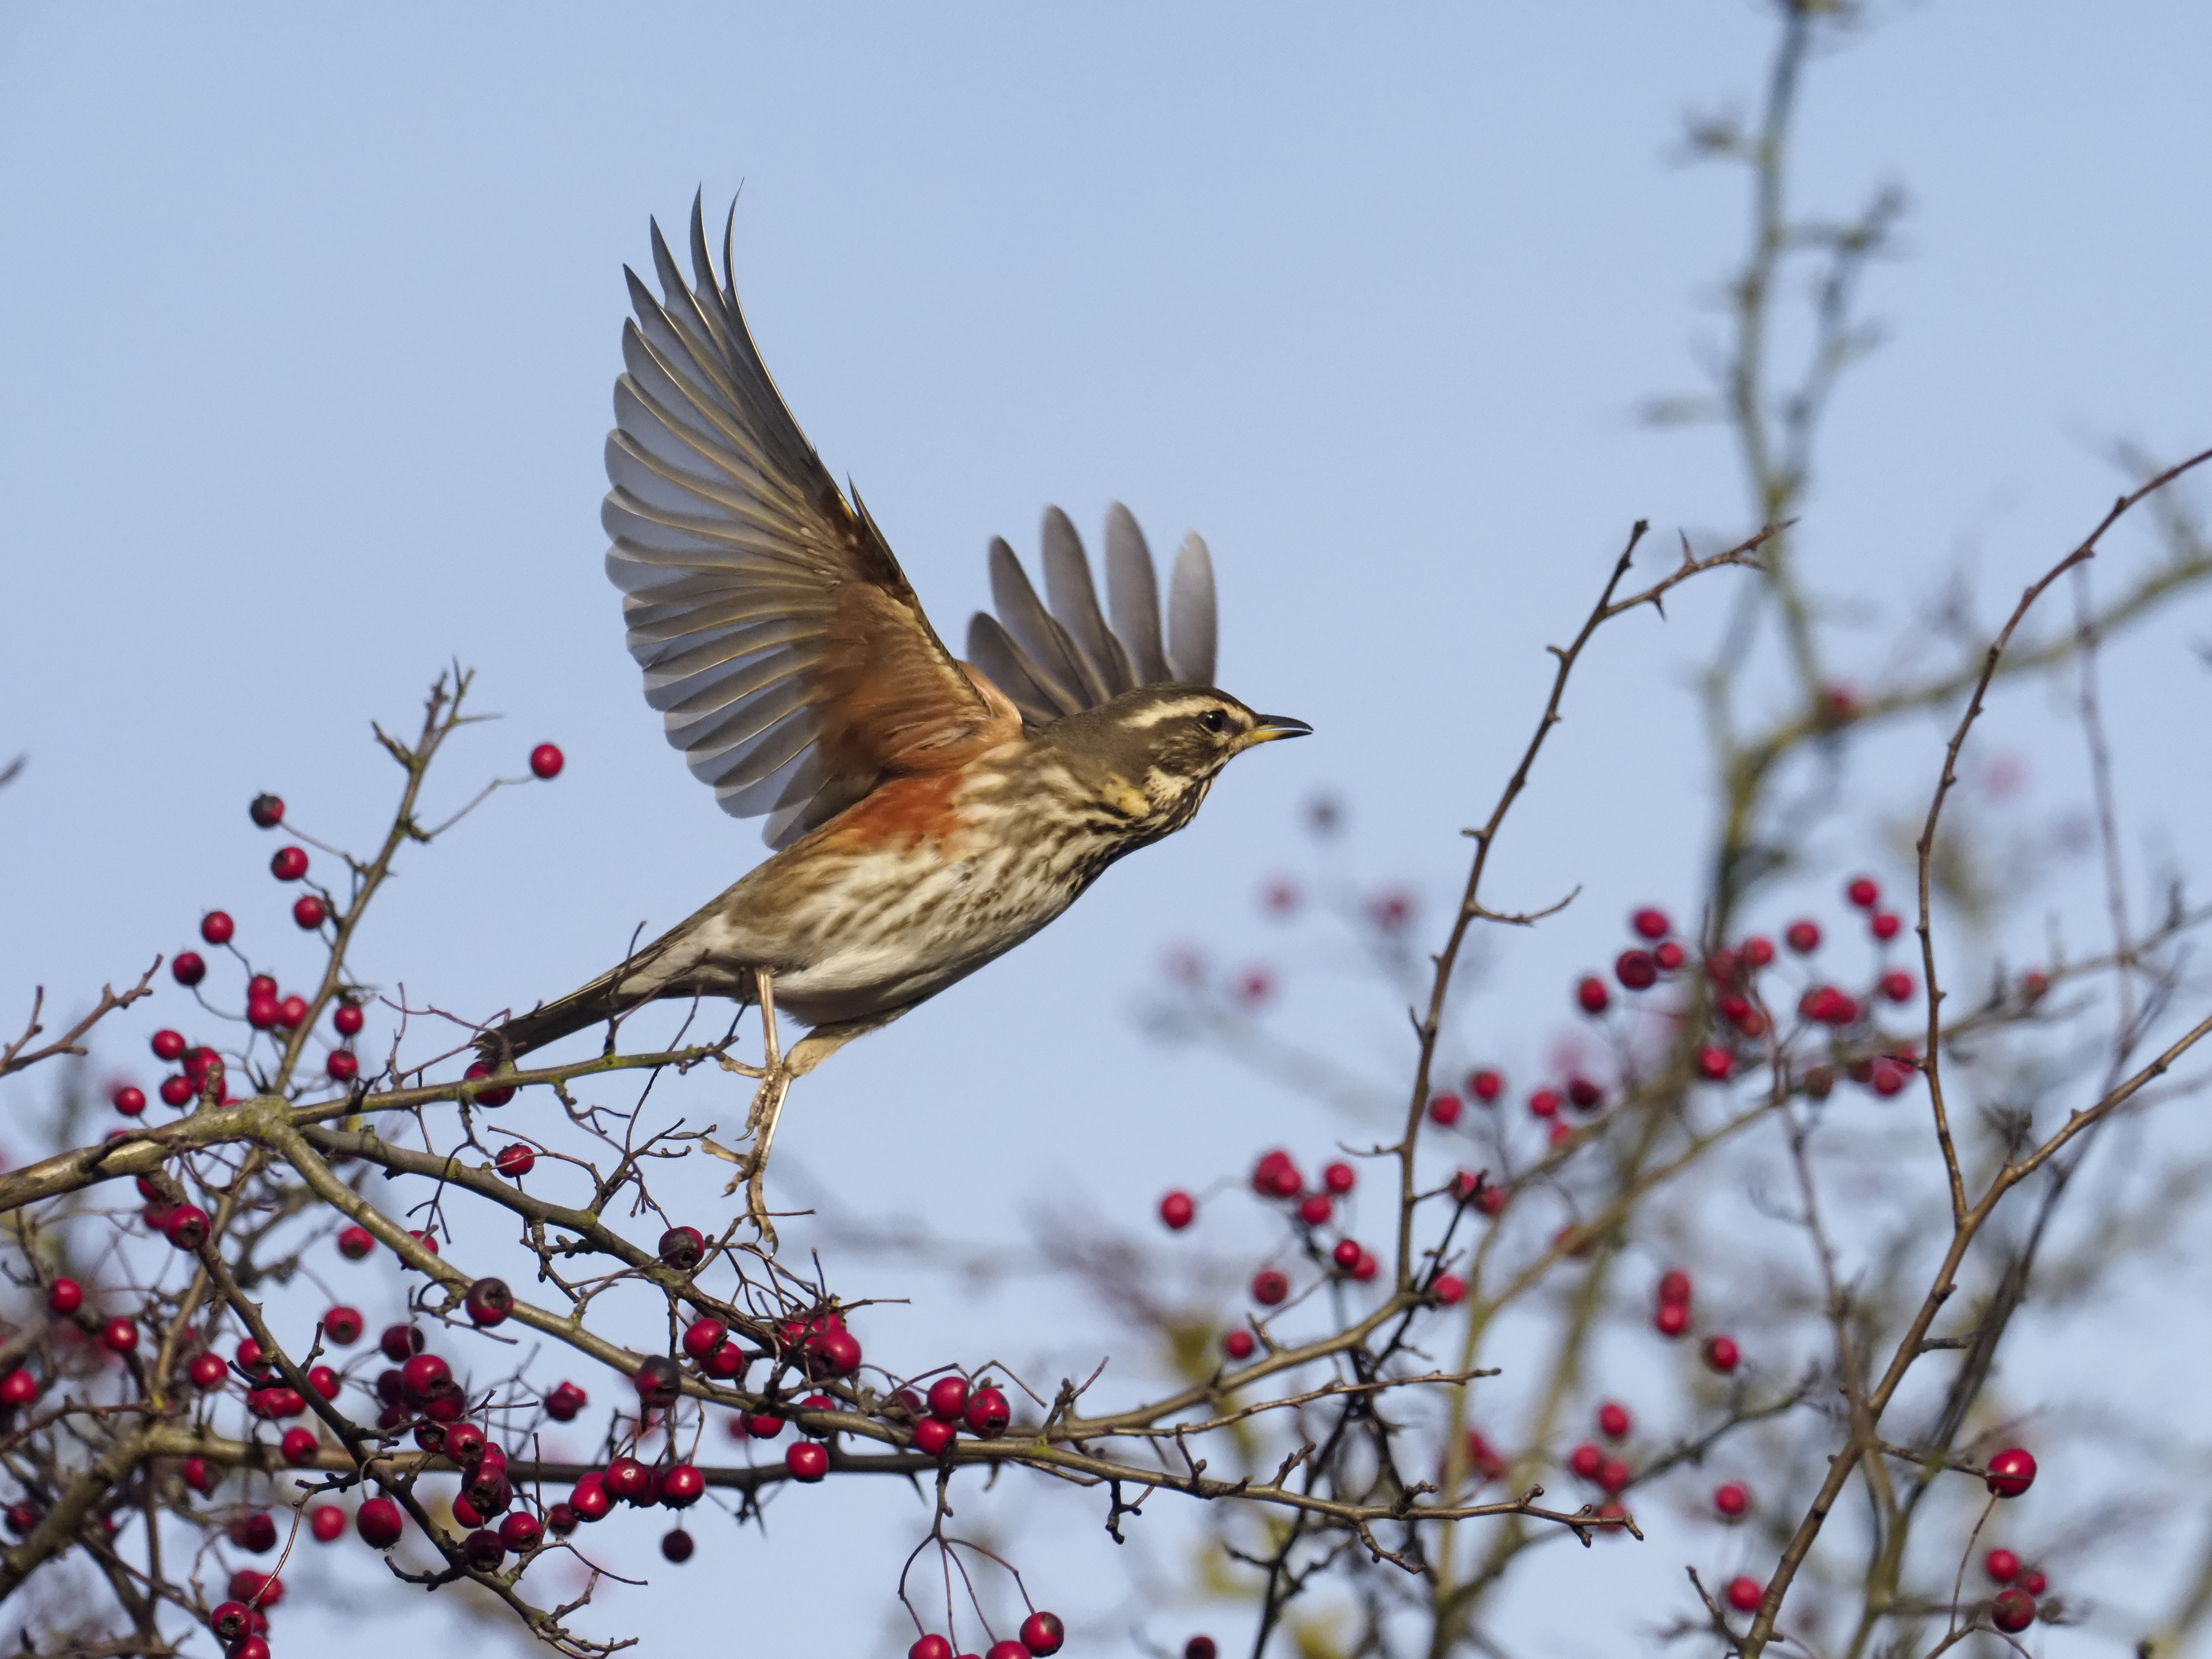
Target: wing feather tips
[1133, 594]
[1191, 639]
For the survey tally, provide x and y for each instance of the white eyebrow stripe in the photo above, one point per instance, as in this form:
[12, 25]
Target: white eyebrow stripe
[1182, 707]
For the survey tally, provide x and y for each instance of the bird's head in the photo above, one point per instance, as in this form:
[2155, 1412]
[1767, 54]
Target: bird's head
[1166, 743]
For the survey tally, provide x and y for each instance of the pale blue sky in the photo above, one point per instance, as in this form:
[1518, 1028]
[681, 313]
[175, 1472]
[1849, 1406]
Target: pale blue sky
[310, 319]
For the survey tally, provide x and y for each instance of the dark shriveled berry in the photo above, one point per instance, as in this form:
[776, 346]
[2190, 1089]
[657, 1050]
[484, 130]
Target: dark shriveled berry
[266, 810]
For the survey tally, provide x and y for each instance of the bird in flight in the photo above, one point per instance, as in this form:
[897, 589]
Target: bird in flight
[927, 814]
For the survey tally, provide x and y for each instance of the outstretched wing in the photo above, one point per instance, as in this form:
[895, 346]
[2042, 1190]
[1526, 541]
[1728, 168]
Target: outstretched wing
[787, 654]
[1054, 658]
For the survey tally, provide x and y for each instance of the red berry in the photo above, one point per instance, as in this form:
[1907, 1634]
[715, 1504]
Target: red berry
[948, 1398]
[520, 1532]
[1591, 993]
[64, 1296]
[177, 1090]
[261, 1013]
[326, 1522]
[1239, 1344]
[309, 912]
[807, 1461]
[1449, 1289]
[489, 1302]
[1671, 1319]
[400, 1343]
[588, 1499]
[343, 1066]
[1721, 1353]
[18, 1388]
[1315, 1208]
[1897, 984]
[657, 1381]
[188, 966]
[1178, 1210]
[298, 1447]
[1863, 892]
[702, 1336]
[1614, 1476]
[561, 1520]
[289, 864]
[682, 1486]
[267, 811]
[232, 1622]
[1612, 1420]
[1339, 1178]
[1715, 1063]
[1583, 1095]
[1886, 926]
[169, 1047]
[1651, 923]
[217, 928]
[676, 1545]
[1485, 1086]
[1758, 950]
[565, 1401]
[1586, 1460]
[1544, 1103]
[1006, 1650]
[263, 1589]
[1669, 955]
[1269, 1287]
[1732, 1500]
[129, 1100]
[261, 985]
[1803, 937]
[198, 1474]
[629, 1479]
[187, 1226]
[1745, 1593]
[1635, 970]
[423, 1376]
[681, 1248]
[121, 1336]
[515, 1161]
[483, 1550]
[2034, 1583]
[2013, 1611]
[987, 1414]
[1346, 1255]
[496, 1096]
[355, 1242]
[348, 1019]
[206, 1371]
[1444, 1110]
[1675, 1285]
[932, 1435]
[1199, 1647]
[546, 760]
[2012, 1472]
[838, 1352]
[1366, 1268]
[931, 1646]
[2002, 1565]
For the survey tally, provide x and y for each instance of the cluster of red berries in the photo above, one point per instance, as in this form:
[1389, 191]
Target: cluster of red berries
[2013, 1608]
[1670, 1317]
[1041, 1633]
[1610, 1474]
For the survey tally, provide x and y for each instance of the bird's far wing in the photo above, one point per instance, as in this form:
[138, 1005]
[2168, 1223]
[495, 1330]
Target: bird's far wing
[784, 646]
[1052, 661]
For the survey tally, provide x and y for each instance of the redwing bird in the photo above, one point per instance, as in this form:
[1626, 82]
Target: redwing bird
[927, 814]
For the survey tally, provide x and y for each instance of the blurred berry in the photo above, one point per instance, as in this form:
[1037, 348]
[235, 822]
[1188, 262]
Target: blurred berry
[1886, 926]
[1178, 1210]
[1485, 1085]
[1269, 1287]
[1745, 1593]
[1722, 1354]
[1651, 923]
[1803, 937]
[1444, 1110]
[546, 760]
[1635, 970]
[1239, 1344]
[2012, 1610]
[1732, 1500]
[1863, 892]
[1339, 1178]
[1591, 993]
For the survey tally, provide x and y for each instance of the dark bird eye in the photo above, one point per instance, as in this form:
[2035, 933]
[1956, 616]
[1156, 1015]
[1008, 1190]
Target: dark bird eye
[1214, 720]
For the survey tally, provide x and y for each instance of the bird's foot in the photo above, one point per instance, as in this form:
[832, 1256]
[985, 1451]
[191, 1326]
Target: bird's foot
[752, 1168]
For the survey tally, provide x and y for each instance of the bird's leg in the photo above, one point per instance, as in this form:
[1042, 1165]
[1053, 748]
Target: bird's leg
[767, 1111]
[780, 1069]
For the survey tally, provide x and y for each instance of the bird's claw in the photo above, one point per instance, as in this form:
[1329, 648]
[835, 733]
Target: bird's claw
[753, 1166]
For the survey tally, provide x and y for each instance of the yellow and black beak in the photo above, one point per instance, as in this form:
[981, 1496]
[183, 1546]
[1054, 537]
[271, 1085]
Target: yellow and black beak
[1272, 727]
